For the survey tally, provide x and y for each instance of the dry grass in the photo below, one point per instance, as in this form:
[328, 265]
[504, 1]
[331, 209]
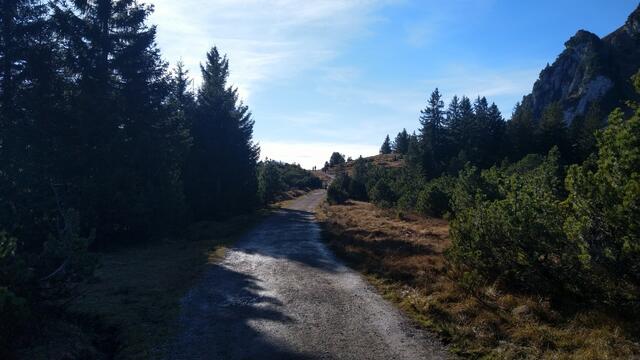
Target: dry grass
[137, 290]
[404, 257]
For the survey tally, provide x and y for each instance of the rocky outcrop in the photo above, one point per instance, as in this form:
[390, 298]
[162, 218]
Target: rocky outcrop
[589, 70]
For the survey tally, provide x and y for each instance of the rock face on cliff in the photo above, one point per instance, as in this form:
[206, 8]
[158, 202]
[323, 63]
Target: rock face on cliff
[589, 70]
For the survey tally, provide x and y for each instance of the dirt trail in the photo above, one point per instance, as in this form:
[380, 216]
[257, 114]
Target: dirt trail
[280, 294]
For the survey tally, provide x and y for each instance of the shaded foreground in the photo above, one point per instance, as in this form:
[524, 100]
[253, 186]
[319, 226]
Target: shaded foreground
[279, 294]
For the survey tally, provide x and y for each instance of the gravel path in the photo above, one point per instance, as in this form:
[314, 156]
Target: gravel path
[280, 294]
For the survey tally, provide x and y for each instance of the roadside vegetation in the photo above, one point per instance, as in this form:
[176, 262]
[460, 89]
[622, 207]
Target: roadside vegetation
[278, 181]
[405, 257]
[550, 223]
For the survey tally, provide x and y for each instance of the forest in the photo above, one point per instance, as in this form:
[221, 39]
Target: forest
[535, 205]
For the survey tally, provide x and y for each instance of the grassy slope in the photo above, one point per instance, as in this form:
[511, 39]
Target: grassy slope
[137, 290]
[404, 259]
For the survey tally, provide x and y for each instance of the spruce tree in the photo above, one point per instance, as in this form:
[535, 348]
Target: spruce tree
[221, 169]
[432, 134]
[583, 132]
[401, 142]
[552, 130]
[386, 146]
[32, 119]
[520, 132]
[493, 137]
[119, 108]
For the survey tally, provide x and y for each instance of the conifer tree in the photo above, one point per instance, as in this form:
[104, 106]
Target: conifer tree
[401, 142]
[386, 146]
[552, 130]
[520, 132]
[221, 169]
[583, 132]
[121, 86]
[336, 159]
[432, 134]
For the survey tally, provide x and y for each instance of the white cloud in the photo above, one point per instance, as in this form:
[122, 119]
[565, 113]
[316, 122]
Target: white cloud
[310, 154]
[266, 40]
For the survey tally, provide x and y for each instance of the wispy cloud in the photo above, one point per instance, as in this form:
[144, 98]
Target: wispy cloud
[267, 40]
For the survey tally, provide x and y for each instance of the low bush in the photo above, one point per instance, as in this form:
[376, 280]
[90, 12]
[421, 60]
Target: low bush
[382, 194]
[516, 237]
[337, 193]
[603, 214]
[434, 199]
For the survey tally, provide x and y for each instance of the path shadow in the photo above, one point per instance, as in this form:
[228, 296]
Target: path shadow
[216, 320]
[292, 235]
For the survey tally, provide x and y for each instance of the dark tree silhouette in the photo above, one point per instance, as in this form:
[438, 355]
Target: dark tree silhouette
[401, 142]
[386, 146]
[221, 169]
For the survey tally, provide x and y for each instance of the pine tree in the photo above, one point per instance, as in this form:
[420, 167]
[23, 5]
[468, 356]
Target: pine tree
[386, 146]
[221, 169]
[462, 124]
[480, 134]
[414, 154]
[32, 119]
[336, 159]
[432, 134]
[520, 132]
[492, 141]
[583, 132]
[552, 130]
[125, 148]
[401, 142]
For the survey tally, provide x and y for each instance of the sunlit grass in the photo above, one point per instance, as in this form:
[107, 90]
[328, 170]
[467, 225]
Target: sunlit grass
[403, 256]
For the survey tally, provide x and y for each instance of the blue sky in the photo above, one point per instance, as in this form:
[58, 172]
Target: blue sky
[338, 75]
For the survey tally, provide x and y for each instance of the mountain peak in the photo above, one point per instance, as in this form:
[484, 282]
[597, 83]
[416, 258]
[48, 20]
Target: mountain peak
[632, 26]
[582, 37]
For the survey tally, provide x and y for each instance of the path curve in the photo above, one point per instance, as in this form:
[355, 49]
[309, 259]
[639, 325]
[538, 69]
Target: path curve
[280, 294]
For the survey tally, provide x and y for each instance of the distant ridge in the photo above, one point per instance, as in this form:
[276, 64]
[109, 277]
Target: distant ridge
[590, 69]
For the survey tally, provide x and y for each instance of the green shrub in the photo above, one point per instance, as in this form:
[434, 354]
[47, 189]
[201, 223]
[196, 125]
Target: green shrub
[515, 236]
[337, 193]
[382, 195]
[270, 182]
[604, 213]
[434, 199]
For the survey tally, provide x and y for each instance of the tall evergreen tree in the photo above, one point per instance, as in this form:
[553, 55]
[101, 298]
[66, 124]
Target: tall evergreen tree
[221, 170]
[552, 130]
[493, 137]
[386, 146]
[31, 118]
[583, 133]
[520, 132]
[432, 134]
[401, 142]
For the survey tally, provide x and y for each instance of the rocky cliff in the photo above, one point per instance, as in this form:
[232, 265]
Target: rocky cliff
[590, 69]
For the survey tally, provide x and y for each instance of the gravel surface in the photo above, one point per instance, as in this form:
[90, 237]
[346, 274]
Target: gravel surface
[280, 294]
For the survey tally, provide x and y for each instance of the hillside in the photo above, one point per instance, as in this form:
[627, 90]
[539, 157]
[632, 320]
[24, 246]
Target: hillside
[382, 160]
[590, 70]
